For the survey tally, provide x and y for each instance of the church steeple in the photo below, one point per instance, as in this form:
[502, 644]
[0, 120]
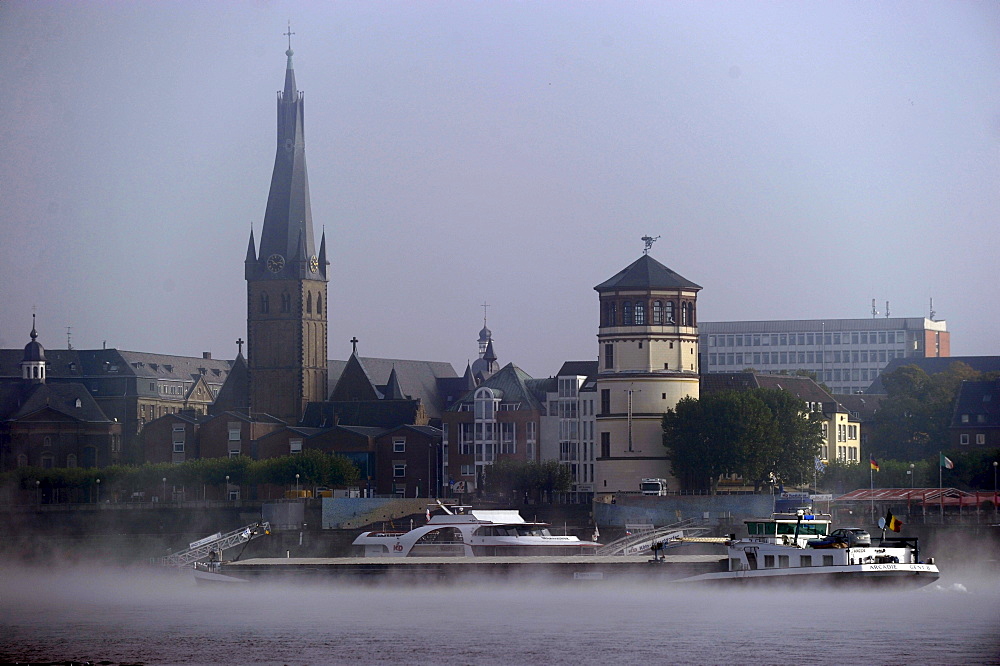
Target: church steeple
[287, 304]
[287, 248]
[33, 361]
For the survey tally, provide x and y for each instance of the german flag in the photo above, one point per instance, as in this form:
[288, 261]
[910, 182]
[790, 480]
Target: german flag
[892, 522]
[873, 463]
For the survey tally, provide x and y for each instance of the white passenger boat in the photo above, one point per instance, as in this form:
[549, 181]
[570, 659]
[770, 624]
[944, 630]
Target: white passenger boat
[799, 548]
[467, 532]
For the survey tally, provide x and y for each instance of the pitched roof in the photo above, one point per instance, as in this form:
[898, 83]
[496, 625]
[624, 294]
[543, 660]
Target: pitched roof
[19, 400]
[417, 379]
[514, 386]
[646, 273]
[578, 369]
[803, 388]
[980, 401]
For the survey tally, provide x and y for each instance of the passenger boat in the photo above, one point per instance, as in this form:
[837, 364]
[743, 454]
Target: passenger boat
[461, 531]
[799, 548]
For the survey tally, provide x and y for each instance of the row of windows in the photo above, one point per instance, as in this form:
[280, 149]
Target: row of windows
[286, 303]
[810, 339]
[882, 356]
[980, 418]
[980, 438]
[633, 313]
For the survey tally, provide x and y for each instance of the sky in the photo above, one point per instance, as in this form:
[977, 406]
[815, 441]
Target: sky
[796, 160]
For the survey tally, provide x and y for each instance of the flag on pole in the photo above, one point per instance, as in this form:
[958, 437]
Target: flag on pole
[873, 463]
[946, 462]
[428, 515]
[892, 522]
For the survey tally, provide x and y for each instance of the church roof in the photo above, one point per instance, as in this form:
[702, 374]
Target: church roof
[19, 400]
[513, 384]
[418, 379]
[646, 273]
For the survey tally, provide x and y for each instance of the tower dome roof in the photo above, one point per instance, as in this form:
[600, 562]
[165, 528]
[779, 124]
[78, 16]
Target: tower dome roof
[34, 351]
[485, 335]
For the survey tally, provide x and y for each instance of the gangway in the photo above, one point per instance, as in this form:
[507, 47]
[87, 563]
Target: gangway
[668, 535]
[203, 549]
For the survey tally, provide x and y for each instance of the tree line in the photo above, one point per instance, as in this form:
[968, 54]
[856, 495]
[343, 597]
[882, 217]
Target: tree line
[314, 468]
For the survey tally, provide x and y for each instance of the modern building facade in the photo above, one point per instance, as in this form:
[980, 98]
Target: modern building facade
[846, 355]
[287, 281]
[648, 361]
[569, 425]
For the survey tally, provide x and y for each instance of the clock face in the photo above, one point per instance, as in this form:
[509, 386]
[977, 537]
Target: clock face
[275, 263]
[313, 264]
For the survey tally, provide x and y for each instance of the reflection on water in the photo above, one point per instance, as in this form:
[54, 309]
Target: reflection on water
[161, 617]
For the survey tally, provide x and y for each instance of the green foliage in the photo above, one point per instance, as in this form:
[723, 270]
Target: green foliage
[973, 471]
[513, 480]
[314, 468]
[753, 433]
[913, 421]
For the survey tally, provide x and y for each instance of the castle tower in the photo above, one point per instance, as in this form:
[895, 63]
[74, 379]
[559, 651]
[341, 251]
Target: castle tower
[648, 360]
[287, 281]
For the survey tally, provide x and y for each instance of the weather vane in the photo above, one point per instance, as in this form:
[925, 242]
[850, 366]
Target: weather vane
[649, 240]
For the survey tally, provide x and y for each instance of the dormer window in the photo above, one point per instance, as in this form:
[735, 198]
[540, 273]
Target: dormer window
[78, 404]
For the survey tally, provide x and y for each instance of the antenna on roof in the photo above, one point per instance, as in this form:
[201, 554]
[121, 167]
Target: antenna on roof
[874, 309]
[887, 309]
[932, 309]
[649, 240]
[69, 343]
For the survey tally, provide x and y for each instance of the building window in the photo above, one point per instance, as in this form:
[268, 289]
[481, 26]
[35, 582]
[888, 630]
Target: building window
[627, 313]
[605, 401]
[319, 304]
[963, 438]
[657, 312]
[71, 460]
[286, 302]
[468, 470]
[980, 438]
[605, 444]
[295, 445]
[668, 313]
[640, 313]
[398, 469]
[265, 305]
[609, 356]
[309, 302]
[399, 445]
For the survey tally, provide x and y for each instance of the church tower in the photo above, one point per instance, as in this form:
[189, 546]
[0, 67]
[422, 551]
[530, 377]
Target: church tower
[648, 361]
[287, 281]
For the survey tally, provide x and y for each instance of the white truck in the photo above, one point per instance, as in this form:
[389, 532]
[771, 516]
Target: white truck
[653, 486]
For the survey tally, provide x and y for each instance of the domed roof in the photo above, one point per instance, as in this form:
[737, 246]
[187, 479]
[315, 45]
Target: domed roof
[34, 351]
[485, 335]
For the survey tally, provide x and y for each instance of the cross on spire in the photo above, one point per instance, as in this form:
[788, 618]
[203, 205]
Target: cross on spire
[354, 345]
[289, 35]
[239, 346]
[485, 305]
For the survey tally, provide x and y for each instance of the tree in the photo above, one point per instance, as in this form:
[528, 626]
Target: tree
[797, 437]
[913, 420]
[717, 434]
[517, 479]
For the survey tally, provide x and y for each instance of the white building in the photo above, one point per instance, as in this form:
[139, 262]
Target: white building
[844, 354]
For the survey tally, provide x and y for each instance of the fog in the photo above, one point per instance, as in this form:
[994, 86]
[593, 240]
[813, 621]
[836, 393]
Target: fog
[157, 616]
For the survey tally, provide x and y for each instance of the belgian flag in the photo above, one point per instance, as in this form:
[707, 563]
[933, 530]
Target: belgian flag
[892, 522]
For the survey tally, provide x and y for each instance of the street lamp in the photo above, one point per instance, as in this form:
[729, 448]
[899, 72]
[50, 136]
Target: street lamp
[38, 492]
[912, 474]
[227, 487]
[98, 491]
[296, 485]
[164, 489]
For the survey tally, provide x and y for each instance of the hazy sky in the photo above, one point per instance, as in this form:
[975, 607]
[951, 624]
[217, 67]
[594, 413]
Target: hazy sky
[797, 160]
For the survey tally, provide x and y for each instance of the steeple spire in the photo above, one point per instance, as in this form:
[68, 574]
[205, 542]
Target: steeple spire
[287, 249]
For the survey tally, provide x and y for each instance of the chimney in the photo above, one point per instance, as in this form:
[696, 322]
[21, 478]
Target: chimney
[207, 355]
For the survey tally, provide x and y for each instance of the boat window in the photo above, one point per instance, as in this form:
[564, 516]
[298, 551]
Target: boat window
[769, 561]
[761, 529]
[805, 561]
[805, 529]
[828, 560]
[443, 535]
[783, 561]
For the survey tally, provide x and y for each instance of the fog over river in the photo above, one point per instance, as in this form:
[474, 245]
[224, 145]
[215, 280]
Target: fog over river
[154, 616]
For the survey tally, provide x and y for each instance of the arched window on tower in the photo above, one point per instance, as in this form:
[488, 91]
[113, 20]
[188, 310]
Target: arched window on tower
[265, 306]
[684, 314]
[309, 303]
[691, 321]
[286, 302]
[319, 304]
[627, 313]
[640, 313]
[668, 313]
[657, 313]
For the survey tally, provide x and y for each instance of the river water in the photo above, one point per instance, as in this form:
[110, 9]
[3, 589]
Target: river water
[143, 616]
